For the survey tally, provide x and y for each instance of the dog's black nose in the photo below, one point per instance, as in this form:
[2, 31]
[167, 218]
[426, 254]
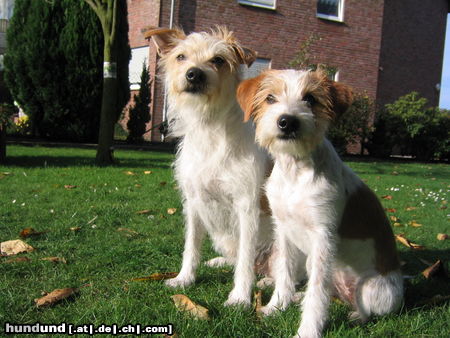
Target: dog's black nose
[195, 75]
[288, 124]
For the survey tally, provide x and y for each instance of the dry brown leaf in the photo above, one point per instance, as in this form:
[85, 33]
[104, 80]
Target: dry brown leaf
[148, 172]
[162, 184]
[442, 237]
[257, 301]
[17, 260]
[68, 186]
[391, 210]
[402, 239]
[28, 232]
[156, 276]
[55, 296]
[437, 269]
[171, 211]
[184, 304]
[14, 247]
[130, 173]
[75, 229]
[394, 218]
[143, 212]
[386, 197]
[54, 259]
[414, 224]
[410, 208]
[397, 224]
[128, 232]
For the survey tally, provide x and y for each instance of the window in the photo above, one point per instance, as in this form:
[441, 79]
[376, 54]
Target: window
[331, 10]
[270, 4]
[138, 56]
[256, 68]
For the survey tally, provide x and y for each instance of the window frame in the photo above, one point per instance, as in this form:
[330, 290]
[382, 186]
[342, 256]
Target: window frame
[338, 18]
[256, 3]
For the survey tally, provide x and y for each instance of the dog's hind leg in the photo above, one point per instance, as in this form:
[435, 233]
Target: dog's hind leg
[192, 246]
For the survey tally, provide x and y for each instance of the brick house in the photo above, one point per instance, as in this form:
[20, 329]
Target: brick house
[386, 48]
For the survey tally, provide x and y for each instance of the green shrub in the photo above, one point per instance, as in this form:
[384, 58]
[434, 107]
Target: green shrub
[409, 127]
[139, 114]
[354, 125]
[53, 67]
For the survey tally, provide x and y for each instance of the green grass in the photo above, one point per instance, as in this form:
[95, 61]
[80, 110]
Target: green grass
[33, 194]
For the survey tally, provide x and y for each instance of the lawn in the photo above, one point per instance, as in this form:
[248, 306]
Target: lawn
[124, 231]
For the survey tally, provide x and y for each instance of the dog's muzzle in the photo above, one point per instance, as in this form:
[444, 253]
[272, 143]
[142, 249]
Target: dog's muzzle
[196, 80]
[289, 126]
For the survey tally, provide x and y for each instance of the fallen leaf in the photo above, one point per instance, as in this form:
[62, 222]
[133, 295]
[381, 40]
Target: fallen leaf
[138, 185]
[443, 207]
[156, 276]
[402, 239]
[128, 232]
[184, 304]
[171, 211]
[75, 229]
[28, 232]
[394, 218]
[442, 237]
[148, 172]
[410, 208]
[55, 296]
[414, 224]
[162, 184]
[386, 197]
[68, 186]
[257, 300]
[435, 270]
[391, 210]
[394, 173]
[143, 212]
[130, 173]
[14, 247]
[396, 224]
[54, 259]
[17, 260]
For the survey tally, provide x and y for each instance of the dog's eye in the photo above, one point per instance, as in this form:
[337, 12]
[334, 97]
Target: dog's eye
[270, 99]
[181, 57]
[310, 99]
[218, 61]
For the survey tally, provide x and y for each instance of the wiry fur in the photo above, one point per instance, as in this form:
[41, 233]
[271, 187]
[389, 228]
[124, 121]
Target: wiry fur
[327, 220]
[219, 168]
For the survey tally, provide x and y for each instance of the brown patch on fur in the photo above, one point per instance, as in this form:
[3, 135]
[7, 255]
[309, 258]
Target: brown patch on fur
[246, 93]
[341, 97]
[364, 218]
[164, 38]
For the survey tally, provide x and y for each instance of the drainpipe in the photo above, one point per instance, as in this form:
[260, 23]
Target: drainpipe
[172, 10]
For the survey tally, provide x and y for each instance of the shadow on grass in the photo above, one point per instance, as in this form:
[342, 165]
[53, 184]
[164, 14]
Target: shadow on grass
[421, 292]
[58, 161]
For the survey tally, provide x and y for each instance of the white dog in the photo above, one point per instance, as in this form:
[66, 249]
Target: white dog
[219, 167]
[326, 218]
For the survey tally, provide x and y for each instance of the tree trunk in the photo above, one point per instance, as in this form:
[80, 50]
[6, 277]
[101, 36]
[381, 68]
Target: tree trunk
[105, 151]
[2, 143]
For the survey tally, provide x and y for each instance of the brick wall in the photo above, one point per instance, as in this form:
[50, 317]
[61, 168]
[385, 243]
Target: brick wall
[412, 49]
[384, 47]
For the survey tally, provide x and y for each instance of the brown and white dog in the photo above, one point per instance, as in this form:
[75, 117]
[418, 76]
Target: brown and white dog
[327, 219]
[219, 167]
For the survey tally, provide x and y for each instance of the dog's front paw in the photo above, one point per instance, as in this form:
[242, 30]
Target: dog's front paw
[217, 262]
[179, 282]
[308, 331]
[268, 310]
[236, 298]
[356, 318]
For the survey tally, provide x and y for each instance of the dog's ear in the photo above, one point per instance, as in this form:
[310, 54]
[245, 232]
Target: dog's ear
[164, 38]
[341, 97]
[245, 55]
[246, 93]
